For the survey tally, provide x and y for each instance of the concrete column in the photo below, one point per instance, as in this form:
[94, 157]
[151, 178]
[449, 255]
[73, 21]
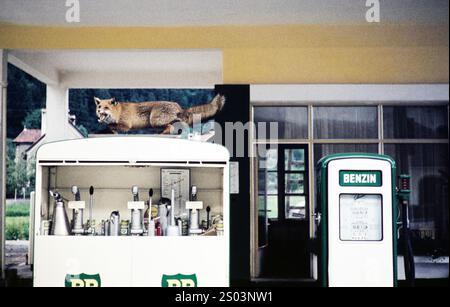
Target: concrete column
[57, 113]
[3, 85]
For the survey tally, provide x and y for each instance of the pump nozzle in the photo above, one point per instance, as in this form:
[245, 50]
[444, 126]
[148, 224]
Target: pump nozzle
[135, 191]
[194, 193]
[91, 206]
[172, 229]
[76, 192]
[172, 209]
[55, 195]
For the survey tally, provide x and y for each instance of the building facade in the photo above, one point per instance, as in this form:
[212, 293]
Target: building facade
[333, 85]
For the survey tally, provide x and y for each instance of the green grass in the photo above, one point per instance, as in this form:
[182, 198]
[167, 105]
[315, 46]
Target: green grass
[18, 209]
[17, 221]
[17, 228]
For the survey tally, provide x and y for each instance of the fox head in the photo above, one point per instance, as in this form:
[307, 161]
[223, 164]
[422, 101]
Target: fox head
[107, 111]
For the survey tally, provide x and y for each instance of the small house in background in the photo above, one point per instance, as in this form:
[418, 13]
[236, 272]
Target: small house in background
[29, 140]
[26, 139]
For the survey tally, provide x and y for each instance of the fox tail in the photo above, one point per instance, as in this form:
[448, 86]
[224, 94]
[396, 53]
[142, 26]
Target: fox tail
[205, 111]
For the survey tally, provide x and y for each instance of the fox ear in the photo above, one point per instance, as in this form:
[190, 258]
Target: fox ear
[97, 100]
[113, 101]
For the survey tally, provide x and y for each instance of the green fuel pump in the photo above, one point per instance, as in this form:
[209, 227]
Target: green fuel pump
[358, 197]
[403, 194]
[356, 219]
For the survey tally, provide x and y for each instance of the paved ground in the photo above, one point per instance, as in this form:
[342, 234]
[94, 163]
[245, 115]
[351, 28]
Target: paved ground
[18, 273]
[15, 252]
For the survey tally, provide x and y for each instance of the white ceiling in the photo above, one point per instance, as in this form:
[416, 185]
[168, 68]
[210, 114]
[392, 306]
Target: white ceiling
[120, 60]
[220, 12]
[121, 68]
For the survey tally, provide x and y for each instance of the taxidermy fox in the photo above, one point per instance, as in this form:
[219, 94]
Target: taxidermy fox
[123, 116]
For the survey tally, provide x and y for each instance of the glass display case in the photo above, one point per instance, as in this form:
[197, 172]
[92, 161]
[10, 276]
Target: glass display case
[131, 211]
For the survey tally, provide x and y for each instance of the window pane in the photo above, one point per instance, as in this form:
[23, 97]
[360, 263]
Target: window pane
[268, 205]
[345, 123]
[294, 159]
[428, 166]
[272, 183]
[415, 122]
[295, 207]
[272, 207]
[267, 191]
[267, 171]
[292, 122]
[294, 183]
[262, 227]
[272, 160]
[268, 183]
[322, 150]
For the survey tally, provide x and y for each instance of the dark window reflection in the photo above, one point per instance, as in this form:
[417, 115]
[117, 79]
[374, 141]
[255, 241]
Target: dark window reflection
[415, 122]
[345, 123]
[292, 121]
[428, 166]
[322, 150]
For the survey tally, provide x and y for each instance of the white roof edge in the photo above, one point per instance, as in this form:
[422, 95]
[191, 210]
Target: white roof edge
[132, 149]
[35, 68]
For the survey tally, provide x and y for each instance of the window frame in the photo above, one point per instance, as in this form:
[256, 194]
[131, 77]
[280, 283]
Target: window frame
[282, 172]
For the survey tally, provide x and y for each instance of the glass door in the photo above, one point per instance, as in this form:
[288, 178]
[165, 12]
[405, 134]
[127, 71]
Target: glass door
[283, 214]
[294, 182]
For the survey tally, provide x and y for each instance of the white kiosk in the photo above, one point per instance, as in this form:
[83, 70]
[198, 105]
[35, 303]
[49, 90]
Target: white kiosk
[113, 166]
[357, 231]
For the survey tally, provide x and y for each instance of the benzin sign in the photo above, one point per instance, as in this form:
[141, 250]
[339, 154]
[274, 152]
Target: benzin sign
[360, 178]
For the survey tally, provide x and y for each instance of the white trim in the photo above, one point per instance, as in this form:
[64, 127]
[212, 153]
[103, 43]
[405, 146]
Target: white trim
[3, 67]
[75, 130]
[127, 80]
[130, 148]
[33, 67]
[333, 93]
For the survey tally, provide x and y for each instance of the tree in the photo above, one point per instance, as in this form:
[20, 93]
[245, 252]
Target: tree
[10, 168]
[33, 119]
[19, 174]
[83, 130]
[31, 175]
[25, 94]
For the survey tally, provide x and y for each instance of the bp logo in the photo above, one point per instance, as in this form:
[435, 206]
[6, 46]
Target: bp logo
[179, 280]
[83, 281]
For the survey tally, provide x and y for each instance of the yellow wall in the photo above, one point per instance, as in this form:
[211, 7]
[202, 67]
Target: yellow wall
[275, 54]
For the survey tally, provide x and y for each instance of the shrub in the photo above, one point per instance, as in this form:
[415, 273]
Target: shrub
[17, 228]
[18, 209]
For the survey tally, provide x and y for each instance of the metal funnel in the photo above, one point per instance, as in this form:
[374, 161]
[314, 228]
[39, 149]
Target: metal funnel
[60, 224]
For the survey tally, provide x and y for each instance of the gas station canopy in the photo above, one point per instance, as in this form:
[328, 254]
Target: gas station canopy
[121, 69]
